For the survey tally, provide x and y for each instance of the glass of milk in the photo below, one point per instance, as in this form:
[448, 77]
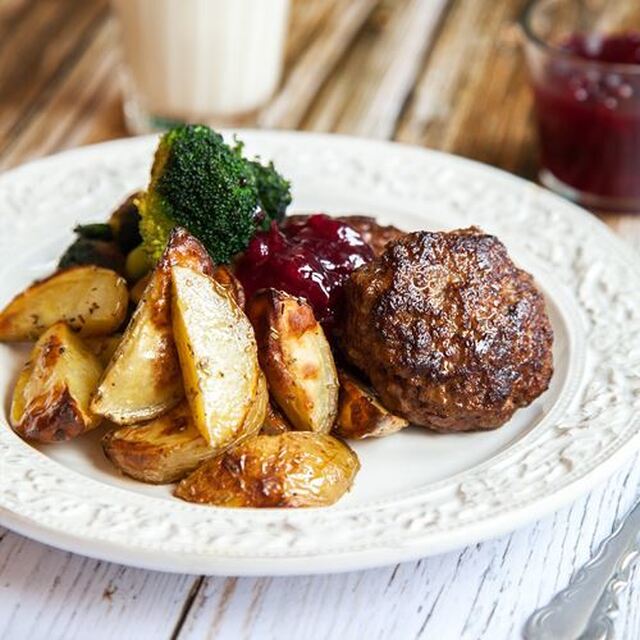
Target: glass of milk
[205, 61]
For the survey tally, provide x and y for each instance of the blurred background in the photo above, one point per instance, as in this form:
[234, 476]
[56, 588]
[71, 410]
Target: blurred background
[445, 74]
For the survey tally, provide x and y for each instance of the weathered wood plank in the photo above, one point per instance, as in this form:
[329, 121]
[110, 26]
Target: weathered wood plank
[84, 104]
[368, 90]
[35, 53]
[472, 97]
[45, 593]
[315, 64]
[305, 23]
[12, 12]
[88, 91]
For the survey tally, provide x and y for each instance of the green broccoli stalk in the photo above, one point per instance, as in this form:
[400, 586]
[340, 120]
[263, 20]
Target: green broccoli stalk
[200, 183]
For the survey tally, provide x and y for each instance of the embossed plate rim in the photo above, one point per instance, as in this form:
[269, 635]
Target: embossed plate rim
[452, 512]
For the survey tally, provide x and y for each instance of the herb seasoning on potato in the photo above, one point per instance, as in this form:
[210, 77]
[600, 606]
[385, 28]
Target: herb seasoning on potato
[294, 469]
[51, 398]
[296, 358]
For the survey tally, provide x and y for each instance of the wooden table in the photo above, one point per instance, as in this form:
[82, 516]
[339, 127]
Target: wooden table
[438, 73]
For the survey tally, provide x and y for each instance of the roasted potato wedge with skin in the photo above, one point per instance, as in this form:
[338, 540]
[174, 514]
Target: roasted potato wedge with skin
[218, 358]
[18, 400]
[224, 276]
[161, 451]
[91, 300]
[274, 422]
[257, 414]
[360, 412]
[167, 448]
[51, 398]
[221, 273]
[103, 347]
[143, 379]
[296, 358]
[294, 469]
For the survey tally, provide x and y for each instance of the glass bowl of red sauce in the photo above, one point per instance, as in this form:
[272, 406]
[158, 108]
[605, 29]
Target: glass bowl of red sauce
[584, 62]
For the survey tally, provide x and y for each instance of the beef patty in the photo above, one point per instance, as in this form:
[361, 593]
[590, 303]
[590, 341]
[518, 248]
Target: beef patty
[452, 335]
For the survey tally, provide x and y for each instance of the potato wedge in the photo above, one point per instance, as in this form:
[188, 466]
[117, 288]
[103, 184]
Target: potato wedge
[51, 398]
[257, 414]
[161, 451]
[143, 379]
[218, 358]
[221, 273]
[294, 469]
[103, 347]
[274, 422]
[360, 412]
[18, 400]
[137, 290]
[167, 448]
[91, 300]
[224, 276]
[296, 358]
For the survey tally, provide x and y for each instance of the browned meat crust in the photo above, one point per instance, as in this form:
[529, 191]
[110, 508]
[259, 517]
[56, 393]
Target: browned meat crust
[452, 335]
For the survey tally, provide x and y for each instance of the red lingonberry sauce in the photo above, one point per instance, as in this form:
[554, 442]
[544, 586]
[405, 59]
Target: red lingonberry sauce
[311, 258]
[589, 115]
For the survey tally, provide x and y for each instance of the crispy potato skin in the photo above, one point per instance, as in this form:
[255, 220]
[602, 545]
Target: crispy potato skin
[295, 469]
[218, 358]
[274, 422]
[91, 300]
[185, 250]
[296, 358]
[51, 398]
[360, 412]
[171, 446]
[143, 379]
[224, 276]
[161, 451]
[18, 401]
[257, 413]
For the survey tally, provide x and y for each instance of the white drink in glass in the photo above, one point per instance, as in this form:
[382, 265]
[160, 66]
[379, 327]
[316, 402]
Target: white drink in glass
[199, 60]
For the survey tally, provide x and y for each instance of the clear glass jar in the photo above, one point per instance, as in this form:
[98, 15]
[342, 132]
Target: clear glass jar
[584, 63]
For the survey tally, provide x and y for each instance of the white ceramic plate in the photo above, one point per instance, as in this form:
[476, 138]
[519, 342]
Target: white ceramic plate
[417, 493]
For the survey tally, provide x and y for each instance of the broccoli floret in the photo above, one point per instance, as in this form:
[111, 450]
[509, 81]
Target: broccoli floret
[200, 183]
[274, 191]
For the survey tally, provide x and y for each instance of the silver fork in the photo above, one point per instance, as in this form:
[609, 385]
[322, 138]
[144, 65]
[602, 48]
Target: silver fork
[585, 609]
